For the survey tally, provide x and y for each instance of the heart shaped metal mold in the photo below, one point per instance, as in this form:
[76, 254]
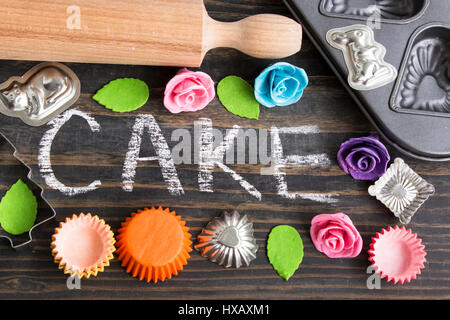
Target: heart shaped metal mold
[228, 240]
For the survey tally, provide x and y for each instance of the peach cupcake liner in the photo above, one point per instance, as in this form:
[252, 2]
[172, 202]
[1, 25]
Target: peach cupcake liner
[397, 254]
[83, 245]
[154, 244]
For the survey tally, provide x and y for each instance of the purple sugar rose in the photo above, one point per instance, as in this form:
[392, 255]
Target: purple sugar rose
[364, 158]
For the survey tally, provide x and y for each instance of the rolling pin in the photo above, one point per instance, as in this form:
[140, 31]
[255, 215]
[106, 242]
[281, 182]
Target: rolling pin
[141, 32]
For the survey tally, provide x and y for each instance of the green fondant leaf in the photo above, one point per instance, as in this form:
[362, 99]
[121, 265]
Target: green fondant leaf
[285, 250]
[123, 95]
[18, 209]
[238, 97]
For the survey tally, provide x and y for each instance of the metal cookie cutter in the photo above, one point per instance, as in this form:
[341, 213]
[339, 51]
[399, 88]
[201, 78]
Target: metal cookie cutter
[26, 238]
[363, 56]
[228, 240]
[41, 94]
[401, 190]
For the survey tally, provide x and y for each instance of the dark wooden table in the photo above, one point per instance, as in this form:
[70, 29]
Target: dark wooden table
[78, 157]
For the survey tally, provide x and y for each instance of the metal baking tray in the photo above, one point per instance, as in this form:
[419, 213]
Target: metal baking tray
[411, 112]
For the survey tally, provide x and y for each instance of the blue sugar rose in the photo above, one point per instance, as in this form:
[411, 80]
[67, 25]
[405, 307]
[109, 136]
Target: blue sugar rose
[281, 84]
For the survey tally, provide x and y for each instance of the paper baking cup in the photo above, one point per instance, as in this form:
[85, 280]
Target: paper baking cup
[154, 244]
[83, 245]
[397, 254]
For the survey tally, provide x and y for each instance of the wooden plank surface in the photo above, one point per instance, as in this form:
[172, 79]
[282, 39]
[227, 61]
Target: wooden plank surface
[79, 156]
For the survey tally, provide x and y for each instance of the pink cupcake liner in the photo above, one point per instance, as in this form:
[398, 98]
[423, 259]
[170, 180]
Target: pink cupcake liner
[83, 245]
[397, 254]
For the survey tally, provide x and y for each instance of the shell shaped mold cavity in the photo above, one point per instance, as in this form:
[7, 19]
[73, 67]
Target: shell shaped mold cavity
[423, 86]
[388, 11]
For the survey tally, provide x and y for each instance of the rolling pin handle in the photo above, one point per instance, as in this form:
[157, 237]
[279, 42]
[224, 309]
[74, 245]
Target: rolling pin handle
[266, 36]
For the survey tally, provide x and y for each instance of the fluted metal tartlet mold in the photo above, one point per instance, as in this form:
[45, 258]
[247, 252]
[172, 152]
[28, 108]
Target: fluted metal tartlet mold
[402, 190]
[228, 240]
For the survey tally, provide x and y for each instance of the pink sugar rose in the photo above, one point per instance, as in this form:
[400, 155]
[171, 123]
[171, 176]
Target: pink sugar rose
[188, 91]
[335, 235]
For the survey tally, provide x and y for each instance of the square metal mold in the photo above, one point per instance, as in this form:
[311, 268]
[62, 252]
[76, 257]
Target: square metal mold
[401, 190]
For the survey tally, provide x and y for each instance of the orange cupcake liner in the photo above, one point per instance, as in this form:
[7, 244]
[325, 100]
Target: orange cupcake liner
[154, 244]
[83, 245]
[397, 254]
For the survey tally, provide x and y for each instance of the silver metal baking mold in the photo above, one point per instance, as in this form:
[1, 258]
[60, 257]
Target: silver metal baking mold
[364, 57]
[228, 240]
[41, 94]
[401, 190]
[389, 11]
[423, 85]
[19, 241]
